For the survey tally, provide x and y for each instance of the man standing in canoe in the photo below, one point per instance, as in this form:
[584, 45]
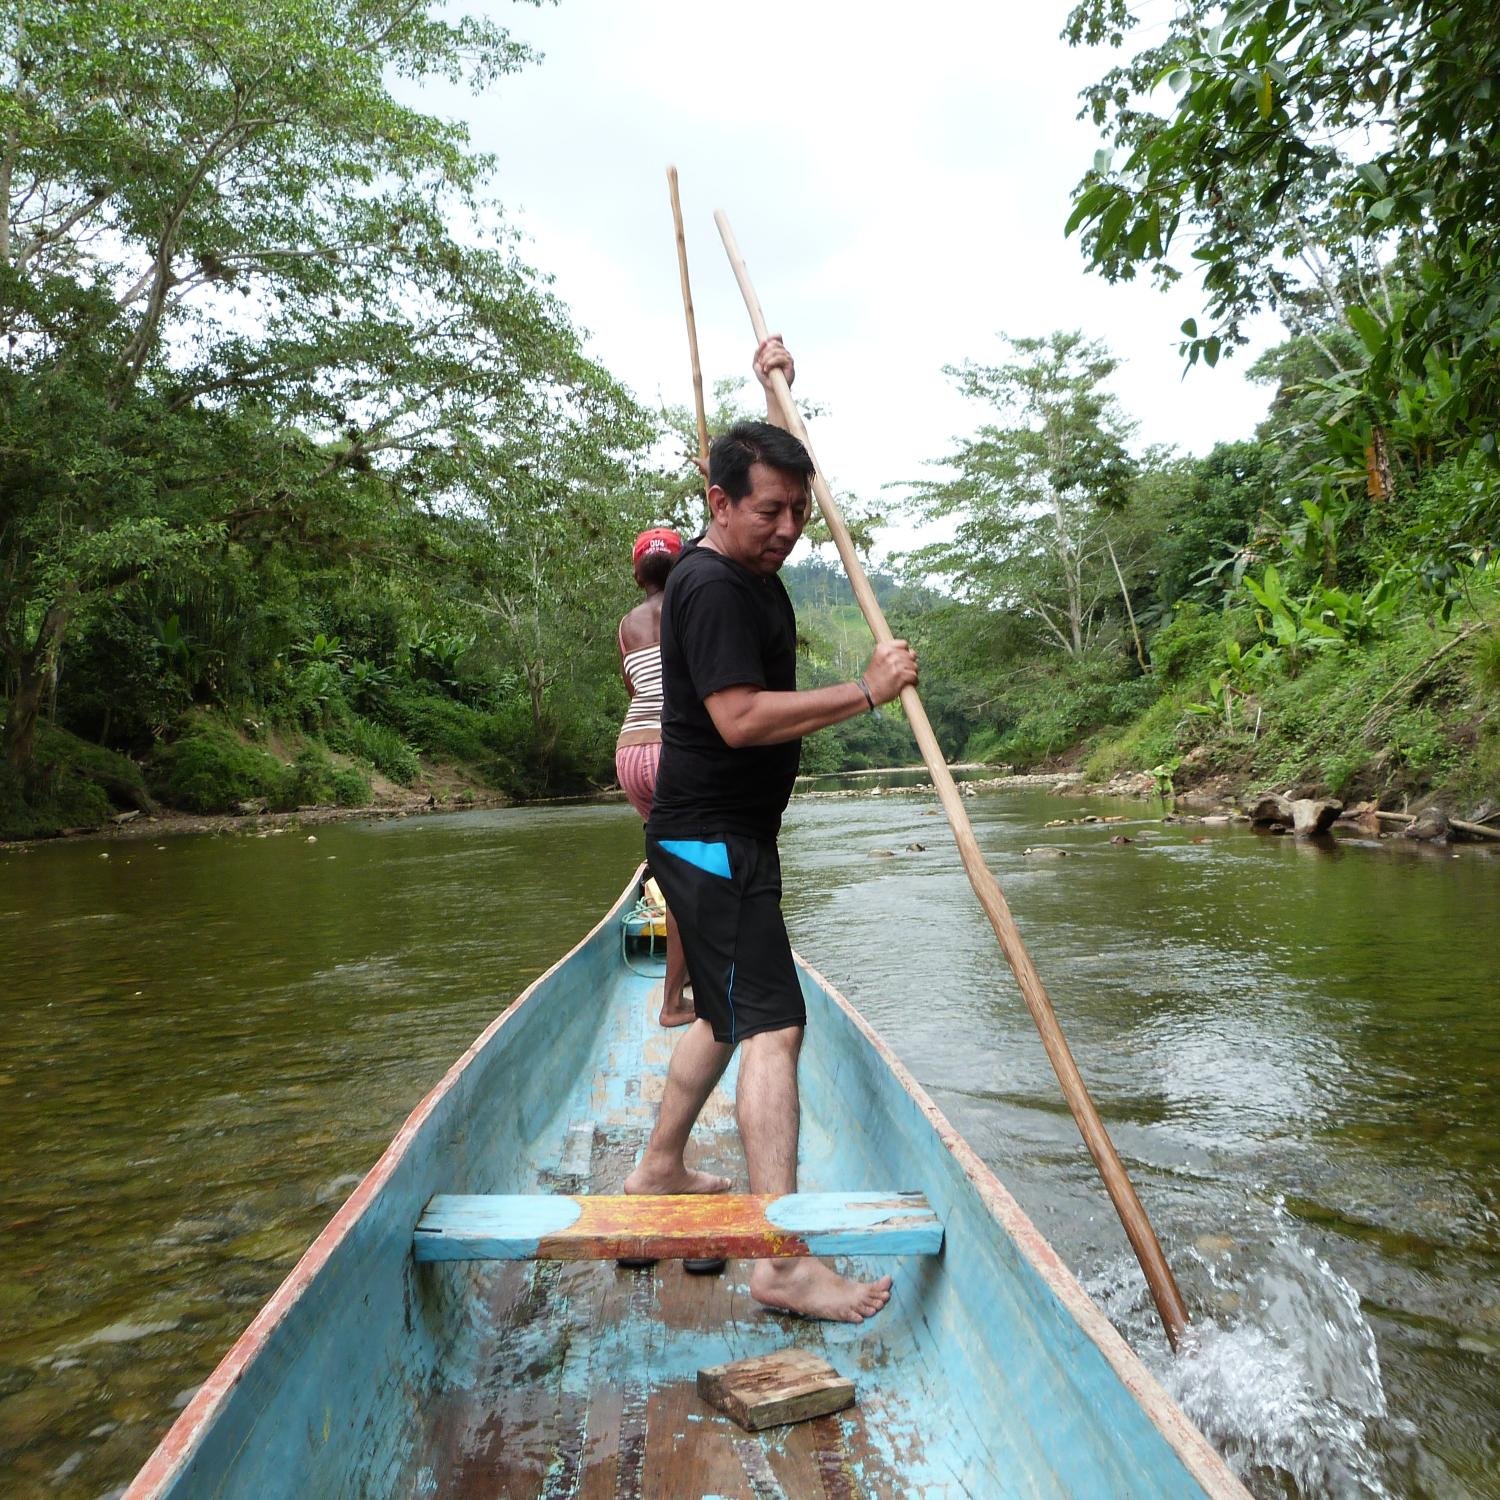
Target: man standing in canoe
[731, 742]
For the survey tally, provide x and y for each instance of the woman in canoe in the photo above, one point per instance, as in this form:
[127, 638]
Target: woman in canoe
[638, 748]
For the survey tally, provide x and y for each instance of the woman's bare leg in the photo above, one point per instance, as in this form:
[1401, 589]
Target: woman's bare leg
[675, 1011]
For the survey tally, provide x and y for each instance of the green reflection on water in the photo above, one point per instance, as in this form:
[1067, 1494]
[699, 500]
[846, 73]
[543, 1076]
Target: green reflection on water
[1257, 1018]
[207, 1043]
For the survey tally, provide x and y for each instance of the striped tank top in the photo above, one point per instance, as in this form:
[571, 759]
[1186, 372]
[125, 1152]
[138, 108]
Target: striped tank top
[643, 668]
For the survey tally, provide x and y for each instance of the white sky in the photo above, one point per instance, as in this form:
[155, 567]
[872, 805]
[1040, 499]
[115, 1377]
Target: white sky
[897, 178]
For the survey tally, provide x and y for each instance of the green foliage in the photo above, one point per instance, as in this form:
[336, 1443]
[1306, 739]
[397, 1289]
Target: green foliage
[118, 688]
[70, 784]
[312, 780]
[1150, 740]
[1377, 718]
[443, 728]
[367, 685]
[209, 769]
[59, 752]
[308, 781]
[351, 788]
[286, 421]
[39, 809]
[1187, 643]
[1161, 775]
[1323, 618]
[1343, 770]
[437, 654]
[1486, 658]
[1321, 135]
[1420, 744]
[496, 744]
[1234, 676]
[322, 648]
[313, 693]
[378, 745]
[1199, 509]
[1058, 706]
[1445, 533]
[1038, 495]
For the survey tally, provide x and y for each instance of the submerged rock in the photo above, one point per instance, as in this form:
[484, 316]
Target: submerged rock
[1047, 851]
[1270, 810]
[1314, 815]
[1431, 827]
[1363, 816]
[1213, 1243]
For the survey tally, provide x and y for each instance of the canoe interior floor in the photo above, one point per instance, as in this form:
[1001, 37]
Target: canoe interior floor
[583, 1381]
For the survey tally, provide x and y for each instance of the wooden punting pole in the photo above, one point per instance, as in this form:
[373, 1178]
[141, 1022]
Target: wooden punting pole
[692, 326]
[1116, 1181]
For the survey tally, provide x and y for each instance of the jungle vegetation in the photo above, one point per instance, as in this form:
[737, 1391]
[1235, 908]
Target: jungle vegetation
[1319, 604]
[309, 485]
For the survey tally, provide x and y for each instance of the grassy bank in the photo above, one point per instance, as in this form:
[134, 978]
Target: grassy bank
[214, 766]
[1406, 717]
[1409, 718]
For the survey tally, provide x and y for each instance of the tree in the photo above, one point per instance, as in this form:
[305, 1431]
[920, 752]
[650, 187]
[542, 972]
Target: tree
[1033, 497]
[862, 518]
[250, 299]
[1343, 150]
[1200, 510]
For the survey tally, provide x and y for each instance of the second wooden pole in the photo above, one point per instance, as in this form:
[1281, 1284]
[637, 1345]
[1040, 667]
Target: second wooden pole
[1117, 1182]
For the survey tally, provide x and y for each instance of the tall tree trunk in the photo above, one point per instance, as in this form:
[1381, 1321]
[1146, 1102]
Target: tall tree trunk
[1140, 654]
[33, 678]
[1067, 554]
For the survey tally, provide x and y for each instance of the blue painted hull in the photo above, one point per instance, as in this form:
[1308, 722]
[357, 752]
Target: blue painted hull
[990, 1373]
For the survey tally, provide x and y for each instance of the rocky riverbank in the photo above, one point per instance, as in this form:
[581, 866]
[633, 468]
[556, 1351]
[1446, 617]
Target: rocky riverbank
[1216, 801]
[1299, 811]
[166, 823]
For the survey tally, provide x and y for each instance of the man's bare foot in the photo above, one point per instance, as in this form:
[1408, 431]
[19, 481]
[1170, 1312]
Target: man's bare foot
[814, 1290]
[650, 1179]
[682, 1016]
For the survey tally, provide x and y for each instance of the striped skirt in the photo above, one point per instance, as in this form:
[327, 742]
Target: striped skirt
[635, 765]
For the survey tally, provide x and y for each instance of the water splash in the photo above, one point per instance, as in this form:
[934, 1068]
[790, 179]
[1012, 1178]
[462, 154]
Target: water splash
[1279, 1370]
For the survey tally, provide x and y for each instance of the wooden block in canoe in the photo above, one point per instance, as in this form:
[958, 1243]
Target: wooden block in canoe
[678, 1227]
[771, 1390]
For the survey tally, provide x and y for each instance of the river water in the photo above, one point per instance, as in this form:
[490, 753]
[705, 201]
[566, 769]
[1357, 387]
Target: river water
[207, 1041]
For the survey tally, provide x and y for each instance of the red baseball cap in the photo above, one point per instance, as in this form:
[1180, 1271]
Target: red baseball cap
[656, 539]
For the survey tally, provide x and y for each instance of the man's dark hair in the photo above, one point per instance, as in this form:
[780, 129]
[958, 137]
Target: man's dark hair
[745, 443]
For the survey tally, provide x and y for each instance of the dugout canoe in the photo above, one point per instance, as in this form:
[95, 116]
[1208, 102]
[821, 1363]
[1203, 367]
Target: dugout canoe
[372, 1372]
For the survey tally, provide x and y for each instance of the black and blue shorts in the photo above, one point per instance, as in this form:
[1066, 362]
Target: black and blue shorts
[725, 893]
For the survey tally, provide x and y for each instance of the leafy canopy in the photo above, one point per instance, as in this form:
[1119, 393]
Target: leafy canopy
[1032, 492]
[253, 306]
[1307, 143]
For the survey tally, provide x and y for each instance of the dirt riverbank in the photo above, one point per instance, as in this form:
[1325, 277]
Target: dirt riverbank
[166, 823]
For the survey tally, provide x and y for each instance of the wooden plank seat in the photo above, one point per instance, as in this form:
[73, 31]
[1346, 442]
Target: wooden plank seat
[675, 1227]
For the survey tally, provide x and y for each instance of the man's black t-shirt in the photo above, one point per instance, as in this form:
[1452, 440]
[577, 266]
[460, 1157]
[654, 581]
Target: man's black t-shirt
[721, 626]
